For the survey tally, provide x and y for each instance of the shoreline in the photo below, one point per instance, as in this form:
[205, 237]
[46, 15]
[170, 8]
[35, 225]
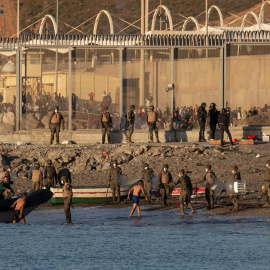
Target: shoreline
[248, 208]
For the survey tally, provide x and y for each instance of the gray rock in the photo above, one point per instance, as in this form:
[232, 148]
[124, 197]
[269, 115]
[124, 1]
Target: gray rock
[56, 154]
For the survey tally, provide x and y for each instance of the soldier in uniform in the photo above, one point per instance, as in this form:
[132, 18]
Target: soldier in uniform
[209, 179]
[223, 123]
[186, 191]
[152, 123]
[50, 175]
[147, 178]
[202, 115]
[55, 121]
[67, 196]
[164, 181]
[266, 186]
[130, 122]
[64, 173]
[36, 178]
[115, 180]
[213, 113]
[235, 198]
[106, 124]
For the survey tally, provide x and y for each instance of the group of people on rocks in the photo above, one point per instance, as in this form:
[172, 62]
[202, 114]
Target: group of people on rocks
[144, 185]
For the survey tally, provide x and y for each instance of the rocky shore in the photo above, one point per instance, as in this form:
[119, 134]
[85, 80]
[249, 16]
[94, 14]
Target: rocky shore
[90, 164]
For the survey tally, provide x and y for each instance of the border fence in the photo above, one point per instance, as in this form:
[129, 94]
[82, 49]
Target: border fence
[83, 73]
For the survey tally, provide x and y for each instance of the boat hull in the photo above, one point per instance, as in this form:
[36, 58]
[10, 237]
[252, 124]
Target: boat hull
[33, 200]
[100, 194]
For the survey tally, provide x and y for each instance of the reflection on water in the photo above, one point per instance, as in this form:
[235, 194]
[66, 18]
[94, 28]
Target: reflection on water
[102, 238]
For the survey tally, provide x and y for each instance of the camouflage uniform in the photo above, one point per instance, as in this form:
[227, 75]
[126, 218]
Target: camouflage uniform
[50, 175]
[130, 122]
[115, 181]
[105, 125]
[164, 181]
[235, 198]
[36, 178]
[67, 196]
[186, 191]
[266, 187]
[209, 180]
[152, 123]
[55, 121]
[147, 178]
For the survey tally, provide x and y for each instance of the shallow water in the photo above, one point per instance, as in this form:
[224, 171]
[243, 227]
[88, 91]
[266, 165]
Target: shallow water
[102, 238]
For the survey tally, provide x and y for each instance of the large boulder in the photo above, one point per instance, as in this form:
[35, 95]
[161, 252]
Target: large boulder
[9, 118]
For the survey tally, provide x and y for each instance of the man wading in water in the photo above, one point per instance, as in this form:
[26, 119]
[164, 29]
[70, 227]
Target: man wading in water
[18, 211]
[136, 197]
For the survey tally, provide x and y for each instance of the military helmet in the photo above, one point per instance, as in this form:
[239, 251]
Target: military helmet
[151, 107]
[212, 105]
[49, 162]
[182, 171]
[114, 160]
[268, 161]
[208, 166]
[37, 165]
[203, 104]
[235, 167]
[105, 108]
[56, 108]
[7, 167]
[223, 110]
[166, 166]
[145, 165]
[64, 164]
[132, 107]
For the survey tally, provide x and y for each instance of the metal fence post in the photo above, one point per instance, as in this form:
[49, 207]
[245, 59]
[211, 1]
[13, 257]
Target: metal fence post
[121, 85]
[18, 82]
[172, 81]
[70, 89]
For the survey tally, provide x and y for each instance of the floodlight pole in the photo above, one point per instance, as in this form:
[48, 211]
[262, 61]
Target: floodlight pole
[56, 55]
[3, 20]
[18, 18]
[206, 24]
[142, 64]
[262, 18]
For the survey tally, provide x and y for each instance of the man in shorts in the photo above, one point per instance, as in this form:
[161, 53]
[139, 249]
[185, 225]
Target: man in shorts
[18, 211]
[137, 189]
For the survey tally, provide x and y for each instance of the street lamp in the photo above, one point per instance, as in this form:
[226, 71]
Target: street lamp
[2, 11]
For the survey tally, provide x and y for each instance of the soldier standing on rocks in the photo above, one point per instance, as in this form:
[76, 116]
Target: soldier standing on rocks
[50, 175]
[115, 180]
[223, 123]
[202, 115]
[164, 181]
[266, 186]
[147, 178]
[213, 113]
[106, 124]
[36, 178]
[130, 122]
[67, 196]
[63, 174]
[236, 178]
[209, 179]
[186, 191]
[55, 121]
[152, 123]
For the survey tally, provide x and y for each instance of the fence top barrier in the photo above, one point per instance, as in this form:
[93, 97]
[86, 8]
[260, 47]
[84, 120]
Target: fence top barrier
[189, 39]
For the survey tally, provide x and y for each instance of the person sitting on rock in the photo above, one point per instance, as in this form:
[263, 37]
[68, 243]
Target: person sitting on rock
[5, 189]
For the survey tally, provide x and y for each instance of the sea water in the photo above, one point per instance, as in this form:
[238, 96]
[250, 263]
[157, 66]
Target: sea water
[104, 238]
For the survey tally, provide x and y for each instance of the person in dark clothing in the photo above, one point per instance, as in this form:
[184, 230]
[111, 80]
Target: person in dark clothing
[63, 174]
[74, 101]
[202, 115]
[106, 124]
[130, 122]
[223, 124]
[50, 175]
[213, 114]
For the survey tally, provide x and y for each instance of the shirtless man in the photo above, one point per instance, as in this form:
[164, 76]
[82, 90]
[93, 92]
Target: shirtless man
[136, 197]
[18, 211]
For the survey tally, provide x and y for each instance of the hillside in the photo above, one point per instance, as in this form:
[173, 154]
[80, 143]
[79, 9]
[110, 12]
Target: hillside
[75, 12]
